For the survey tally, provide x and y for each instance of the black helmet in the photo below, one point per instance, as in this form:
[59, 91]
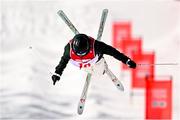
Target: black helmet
[81, 44]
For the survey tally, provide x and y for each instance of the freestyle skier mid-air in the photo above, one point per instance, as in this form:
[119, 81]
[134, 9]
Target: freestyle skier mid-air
[87, 53]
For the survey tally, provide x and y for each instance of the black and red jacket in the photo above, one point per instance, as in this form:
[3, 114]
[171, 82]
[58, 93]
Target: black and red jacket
[97, 49]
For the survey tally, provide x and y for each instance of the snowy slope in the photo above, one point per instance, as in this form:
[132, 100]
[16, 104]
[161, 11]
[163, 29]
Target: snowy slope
[32, 41]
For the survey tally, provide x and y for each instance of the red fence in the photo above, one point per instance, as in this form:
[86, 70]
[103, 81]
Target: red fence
[158, 93]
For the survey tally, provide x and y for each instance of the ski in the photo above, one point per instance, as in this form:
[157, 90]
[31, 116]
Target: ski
[114, 79]
[102, 23]
[67, 21]
[88, 78]
[84, 94]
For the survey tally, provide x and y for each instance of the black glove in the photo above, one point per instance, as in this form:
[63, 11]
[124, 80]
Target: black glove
[55, 78]
[131, 63]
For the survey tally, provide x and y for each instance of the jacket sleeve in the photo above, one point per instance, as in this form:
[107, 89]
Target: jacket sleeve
[102, 48]
[64, 60]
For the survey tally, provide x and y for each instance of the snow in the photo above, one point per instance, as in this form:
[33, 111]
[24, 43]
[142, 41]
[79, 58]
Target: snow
[32, 42]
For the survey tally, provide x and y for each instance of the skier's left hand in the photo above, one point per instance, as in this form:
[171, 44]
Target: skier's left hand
[131, 63]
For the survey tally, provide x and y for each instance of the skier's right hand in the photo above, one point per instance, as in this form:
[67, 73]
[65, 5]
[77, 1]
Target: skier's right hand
[55, 77]
[131, 63]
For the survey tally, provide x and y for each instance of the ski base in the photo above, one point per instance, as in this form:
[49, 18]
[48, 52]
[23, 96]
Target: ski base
[81, 106]
[114, 79]
[84, 95]
[118, 84]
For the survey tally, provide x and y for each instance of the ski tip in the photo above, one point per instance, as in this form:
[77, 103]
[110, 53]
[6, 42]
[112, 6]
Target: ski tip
[80, 113]
[122, 89]
[105, 10]
[60, 12]
[120, 86]
[80, 110]
[80, 107]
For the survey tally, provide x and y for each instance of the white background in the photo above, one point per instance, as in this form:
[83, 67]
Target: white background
[32, 40]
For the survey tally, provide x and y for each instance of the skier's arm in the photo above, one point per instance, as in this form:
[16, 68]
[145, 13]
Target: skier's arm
[64, 60]
[62, 64]
[102, 48]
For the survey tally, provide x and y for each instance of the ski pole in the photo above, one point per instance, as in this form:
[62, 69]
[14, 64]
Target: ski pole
[161, 64]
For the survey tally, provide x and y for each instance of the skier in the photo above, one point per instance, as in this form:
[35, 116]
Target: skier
[87, 53]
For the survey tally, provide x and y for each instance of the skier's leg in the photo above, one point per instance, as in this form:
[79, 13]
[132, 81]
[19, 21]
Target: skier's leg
[114, 79]
[99, 68]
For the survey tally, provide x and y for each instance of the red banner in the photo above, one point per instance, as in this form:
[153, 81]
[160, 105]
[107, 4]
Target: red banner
[130, 47]
[139, 74]
[159, 98]
[121, 31]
